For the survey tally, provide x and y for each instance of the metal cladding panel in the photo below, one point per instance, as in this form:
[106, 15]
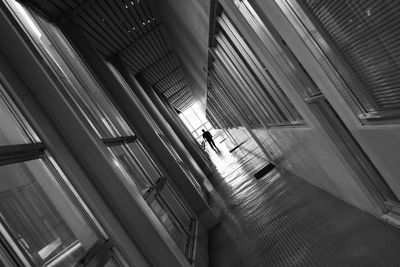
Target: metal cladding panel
[364, 36]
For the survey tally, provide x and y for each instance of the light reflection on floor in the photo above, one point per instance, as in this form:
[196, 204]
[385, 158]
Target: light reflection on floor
[280, 220]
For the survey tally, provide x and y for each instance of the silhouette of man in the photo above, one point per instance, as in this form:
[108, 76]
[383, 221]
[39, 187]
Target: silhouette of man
[208, 137]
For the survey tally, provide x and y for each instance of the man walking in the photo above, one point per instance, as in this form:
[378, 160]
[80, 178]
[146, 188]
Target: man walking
[208, 137]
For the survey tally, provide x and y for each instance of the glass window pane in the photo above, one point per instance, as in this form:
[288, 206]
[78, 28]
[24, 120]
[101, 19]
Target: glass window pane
[195, 121]
[194, 116]
[199, 132]
[169, 223]
[177, 207]
[134, 98]
[131, 167]
[39, 215]
[80, 84]
[93, 90]
[145, 161]
[14, 129]
[186, 122]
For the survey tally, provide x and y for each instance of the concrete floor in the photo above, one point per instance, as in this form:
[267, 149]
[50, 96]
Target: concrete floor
[280, 220]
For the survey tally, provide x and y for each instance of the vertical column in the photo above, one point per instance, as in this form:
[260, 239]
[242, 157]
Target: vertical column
[127, 103]
[37, 117]
[180, 129]
[130, 210]
[163, 102]
[169, 127]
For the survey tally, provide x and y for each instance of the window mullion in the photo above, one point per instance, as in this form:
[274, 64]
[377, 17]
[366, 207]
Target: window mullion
[119, 140]
[17, 153]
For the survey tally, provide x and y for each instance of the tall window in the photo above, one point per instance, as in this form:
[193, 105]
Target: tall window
[43, 222]
[140, 169]
[195, 120]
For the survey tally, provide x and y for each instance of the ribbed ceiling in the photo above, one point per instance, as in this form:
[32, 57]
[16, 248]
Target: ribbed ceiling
[132, 30]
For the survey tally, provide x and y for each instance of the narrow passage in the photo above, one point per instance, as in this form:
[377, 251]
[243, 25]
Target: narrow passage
[280, 220]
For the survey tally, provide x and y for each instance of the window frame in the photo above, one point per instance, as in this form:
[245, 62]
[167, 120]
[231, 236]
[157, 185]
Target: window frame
[46, 57]
[36, 150]
[117, 133]
[118, 138]
[155, 189]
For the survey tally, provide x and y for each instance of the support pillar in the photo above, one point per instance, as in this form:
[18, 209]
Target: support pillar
[130, 210]
[169, 127]
[177, 125]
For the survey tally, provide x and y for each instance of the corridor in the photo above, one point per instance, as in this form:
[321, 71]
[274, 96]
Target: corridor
[104, 106]
[280, 220]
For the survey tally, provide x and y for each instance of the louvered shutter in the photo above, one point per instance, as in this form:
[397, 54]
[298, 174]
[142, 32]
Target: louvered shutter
[366, 34]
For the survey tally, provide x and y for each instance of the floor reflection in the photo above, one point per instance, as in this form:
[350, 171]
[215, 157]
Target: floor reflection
[280, 220]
